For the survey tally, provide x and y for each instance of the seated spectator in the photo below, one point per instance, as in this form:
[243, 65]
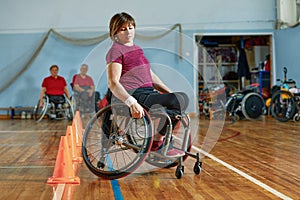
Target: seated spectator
[54, 86]
[84, 90]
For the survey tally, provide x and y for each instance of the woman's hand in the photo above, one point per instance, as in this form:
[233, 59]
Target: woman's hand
[137, 111]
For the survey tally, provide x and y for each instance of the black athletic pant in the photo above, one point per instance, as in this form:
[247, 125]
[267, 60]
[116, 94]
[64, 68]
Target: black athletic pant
[173, 103]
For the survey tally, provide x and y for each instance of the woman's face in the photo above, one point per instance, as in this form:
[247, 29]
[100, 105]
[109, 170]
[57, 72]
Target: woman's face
[126, 34]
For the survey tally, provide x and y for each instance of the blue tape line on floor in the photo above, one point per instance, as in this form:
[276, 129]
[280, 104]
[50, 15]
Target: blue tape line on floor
[116, 189]
[115, 183]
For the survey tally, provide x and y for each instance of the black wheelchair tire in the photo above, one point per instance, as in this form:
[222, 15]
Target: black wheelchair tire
[38, 112]
[96, 162]
[278, 106]
[252, 106]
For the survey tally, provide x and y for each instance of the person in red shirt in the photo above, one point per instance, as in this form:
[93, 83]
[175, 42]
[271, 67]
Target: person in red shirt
[83, 82]
[84, 90]
[54, 86]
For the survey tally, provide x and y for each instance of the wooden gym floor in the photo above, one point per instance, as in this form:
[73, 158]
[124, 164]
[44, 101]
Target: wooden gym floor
[250, 160]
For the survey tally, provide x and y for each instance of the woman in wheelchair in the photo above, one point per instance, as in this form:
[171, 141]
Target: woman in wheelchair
[131, 80]
[84, 91]
[55, 87]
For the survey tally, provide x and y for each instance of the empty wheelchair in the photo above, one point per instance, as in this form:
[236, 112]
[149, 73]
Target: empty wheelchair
[245, 104]
[285, 101]
[285, 105]
[55, 108]
[114, 144]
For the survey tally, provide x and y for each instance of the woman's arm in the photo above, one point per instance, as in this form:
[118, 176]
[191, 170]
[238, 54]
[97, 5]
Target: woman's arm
[114, 71]
[158, 84]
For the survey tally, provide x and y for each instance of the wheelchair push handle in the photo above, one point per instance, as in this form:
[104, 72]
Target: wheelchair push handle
[284, 76]
[285, 72]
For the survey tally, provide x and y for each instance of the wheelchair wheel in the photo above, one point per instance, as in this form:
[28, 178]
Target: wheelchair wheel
[69, 110]
[39, 112]
[115, 144]
[233, 107]
[283, 105]
[73, 103]
[252, 106]
[181, 131]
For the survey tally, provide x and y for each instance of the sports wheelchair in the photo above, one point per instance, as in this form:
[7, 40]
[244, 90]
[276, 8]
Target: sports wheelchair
[245, 104]
[285, 105]
[82, 102]
[55, 108]
[114, 144]
[285, 101]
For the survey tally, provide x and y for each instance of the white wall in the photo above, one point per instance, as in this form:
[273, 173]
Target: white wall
[29, 15]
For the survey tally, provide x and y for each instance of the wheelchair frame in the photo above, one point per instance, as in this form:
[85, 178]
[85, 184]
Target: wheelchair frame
[49, 108]
[245, 104]
[114, 144]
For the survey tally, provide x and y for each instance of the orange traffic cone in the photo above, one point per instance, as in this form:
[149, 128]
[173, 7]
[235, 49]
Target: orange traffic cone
[63, 171]
[72, 145]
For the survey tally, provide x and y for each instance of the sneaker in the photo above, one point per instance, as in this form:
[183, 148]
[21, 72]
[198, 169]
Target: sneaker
[172, 152]
[175, 153]
[156, 145]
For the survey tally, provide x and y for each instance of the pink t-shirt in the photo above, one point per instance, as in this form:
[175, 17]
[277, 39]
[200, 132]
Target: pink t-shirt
[135, 66]
[87, 81]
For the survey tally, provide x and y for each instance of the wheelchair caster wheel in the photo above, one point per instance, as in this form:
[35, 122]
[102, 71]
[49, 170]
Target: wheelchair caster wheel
[179, 172]
[197, 167]
[296, 118]
[100, 163]
[235, 118]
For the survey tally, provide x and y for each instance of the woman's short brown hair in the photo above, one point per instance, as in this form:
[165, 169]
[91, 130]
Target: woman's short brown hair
[117, 22]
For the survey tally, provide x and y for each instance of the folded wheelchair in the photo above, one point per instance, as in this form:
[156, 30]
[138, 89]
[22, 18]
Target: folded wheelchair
[245, 104]
[114, 144]
[56, 107]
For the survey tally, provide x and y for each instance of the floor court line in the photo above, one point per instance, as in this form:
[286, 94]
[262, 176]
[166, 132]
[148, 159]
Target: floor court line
[25, 167]
[24, 131]
[58, 193]
[243, 174]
